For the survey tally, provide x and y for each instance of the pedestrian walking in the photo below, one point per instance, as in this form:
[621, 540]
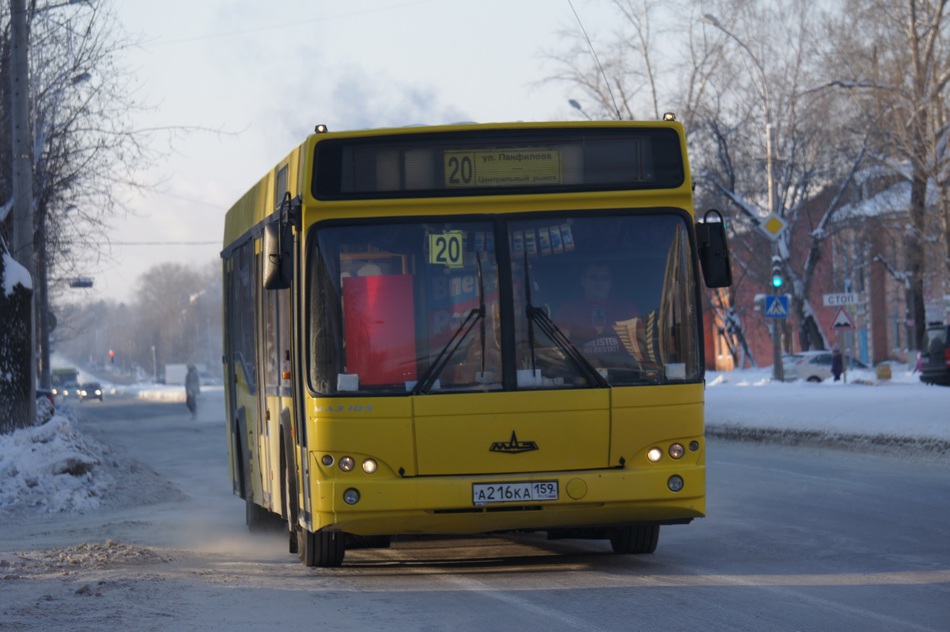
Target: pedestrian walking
[192, 389]
[837, 363]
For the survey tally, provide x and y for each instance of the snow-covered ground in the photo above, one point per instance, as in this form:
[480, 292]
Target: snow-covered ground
[53, 468]
[900, 413]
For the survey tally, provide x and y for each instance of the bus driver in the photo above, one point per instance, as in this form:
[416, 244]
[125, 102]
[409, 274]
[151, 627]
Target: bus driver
[588, 321]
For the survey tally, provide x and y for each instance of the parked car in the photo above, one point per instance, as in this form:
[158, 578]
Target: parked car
[90, 390]
[935, 355]
[814, 366]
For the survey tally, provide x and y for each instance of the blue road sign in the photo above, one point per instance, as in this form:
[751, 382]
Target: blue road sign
[776, 306]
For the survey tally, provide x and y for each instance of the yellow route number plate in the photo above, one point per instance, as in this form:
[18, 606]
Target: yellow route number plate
[446, 249]
[502, 167]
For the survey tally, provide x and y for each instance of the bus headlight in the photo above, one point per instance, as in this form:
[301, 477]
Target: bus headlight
[654, 454]
[369, 466]
[675, 483]
[327, 460]
[351, 496]
[347, 464]
[677, 450]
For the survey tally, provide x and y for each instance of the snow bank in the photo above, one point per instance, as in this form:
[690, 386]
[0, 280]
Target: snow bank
[900, 413]
[53, 468]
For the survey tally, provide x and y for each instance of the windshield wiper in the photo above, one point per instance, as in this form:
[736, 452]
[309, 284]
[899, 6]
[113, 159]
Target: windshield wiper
[475, 315]
[538, 316]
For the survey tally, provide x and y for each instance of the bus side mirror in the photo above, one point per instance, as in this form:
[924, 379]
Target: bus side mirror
[714, 251]
[278, 256]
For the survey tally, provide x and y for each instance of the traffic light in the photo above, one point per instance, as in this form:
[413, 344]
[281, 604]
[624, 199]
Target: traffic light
[777, 278]
[111, 356]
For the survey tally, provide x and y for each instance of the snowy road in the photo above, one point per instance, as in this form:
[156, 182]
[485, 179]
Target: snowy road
[796, 538]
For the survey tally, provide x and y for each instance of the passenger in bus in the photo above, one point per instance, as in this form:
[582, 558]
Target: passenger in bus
[589, 320]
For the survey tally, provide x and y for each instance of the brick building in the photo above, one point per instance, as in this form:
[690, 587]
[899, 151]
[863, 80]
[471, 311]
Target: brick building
[862, 253]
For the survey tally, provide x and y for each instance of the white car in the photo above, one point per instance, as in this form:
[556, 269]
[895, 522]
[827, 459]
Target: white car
[814, 366]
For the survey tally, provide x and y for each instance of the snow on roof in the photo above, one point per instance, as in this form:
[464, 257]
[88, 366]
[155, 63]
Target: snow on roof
[895, 199]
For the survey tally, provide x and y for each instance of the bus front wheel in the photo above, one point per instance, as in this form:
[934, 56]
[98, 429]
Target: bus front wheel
[324, 549]
[635, 540]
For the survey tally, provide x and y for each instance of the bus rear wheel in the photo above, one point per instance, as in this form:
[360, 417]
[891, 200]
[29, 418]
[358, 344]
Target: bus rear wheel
[635, 540]
[324, 549]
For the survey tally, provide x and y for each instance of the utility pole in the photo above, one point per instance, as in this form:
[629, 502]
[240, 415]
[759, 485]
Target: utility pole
[778, 373]
[23, 229]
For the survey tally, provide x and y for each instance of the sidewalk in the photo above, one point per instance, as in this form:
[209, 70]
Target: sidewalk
[899, 413]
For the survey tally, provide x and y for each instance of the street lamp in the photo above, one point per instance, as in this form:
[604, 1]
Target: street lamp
[767, 99]
[577, 106]
[778, 373]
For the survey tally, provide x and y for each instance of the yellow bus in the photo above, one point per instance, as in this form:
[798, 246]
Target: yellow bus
[472, 328]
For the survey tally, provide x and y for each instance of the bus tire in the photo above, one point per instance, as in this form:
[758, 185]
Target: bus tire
[635, 540]
[324, 549]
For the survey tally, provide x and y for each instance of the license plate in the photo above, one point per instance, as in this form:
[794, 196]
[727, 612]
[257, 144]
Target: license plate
[489, 493]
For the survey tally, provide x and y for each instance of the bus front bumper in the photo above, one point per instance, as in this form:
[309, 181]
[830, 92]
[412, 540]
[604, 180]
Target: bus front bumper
[447, 505]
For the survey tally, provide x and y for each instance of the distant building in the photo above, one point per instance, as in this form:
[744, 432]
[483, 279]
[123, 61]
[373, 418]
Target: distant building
[862, 253]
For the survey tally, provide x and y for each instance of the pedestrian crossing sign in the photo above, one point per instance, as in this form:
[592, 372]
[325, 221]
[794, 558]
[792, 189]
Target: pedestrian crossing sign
[776, 306]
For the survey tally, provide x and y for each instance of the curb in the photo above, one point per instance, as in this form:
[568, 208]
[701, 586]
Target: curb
[930, 447]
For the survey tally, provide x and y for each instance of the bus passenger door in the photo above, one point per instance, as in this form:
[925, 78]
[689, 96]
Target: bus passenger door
[241, 372]
[228, 370]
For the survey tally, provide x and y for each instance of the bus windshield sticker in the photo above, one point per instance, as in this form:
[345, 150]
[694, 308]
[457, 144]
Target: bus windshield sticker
[530, 243]
[567, 237]
[502, 167]
[544, 240]
[446, 249]
[557, 246]
[517, 242]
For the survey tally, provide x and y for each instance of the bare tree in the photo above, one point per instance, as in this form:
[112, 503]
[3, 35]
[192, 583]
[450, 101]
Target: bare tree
[176, 310]
[84, 143]
[654, 63]
[893, 60]
[816, 153]
[733, 69]
[620, 78]
[174, 303]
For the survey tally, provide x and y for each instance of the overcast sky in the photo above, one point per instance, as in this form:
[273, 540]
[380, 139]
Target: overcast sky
[264, 73]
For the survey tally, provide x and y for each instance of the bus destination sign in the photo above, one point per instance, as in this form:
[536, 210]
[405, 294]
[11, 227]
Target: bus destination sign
[537, 166]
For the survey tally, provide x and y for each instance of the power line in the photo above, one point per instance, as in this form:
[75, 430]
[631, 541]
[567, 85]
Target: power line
[286, 25]
[165, 243]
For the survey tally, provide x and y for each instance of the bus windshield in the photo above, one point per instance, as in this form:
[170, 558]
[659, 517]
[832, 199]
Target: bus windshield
[539, 301]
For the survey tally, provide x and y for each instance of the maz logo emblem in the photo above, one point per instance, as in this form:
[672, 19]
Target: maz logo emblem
[513, 446]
